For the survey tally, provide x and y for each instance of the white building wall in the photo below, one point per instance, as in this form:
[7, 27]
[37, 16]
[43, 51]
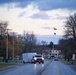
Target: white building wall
[55, 52]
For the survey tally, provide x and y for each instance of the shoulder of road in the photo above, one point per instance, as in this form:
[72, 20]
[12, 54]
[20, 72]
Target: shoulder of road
[71, 63]
[4, 65]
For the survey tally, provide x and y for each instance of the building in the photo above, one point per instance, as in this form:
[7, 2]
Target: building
[51, 52]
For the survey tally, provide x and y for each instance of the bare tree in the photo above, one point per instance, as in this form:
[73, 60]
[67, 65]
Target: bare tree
[68, 47]
[18, 44]
[3, 27]
[29, 41]
[71, 26]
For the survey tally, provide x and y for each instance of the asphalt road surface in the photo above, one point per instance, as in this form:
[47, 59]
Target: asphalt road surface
[48, 68]
[58, 68]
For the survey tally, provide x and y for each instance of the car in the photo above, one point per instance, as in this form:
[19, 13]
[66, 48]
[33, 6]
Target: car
[56, 59]
[38, 58]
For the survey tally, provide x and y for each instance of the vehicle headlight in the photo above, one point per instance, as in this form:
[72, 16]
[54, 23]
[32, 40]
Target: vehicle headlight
[35, 58]
[42, 58]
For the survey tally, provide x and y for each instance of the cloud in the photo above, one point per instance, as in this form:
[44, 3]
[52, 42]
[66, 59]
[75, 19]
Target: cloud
[19, 3]
[43, 4]
[31, 18]
[59, 14]
[26, 2]
[53, 4]
[22, 14]
[46, 27]
[28, 11]
[40, 15]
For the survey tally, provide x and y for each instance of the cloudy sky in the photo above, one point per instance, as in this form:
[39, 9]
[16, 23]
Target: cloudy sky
[39, 16]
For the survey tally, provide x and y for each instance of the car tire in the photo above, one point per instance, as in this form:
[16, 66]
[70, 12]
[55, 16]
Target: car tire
[42, 62]
[23, 62]
[34, 62]
[39, 62]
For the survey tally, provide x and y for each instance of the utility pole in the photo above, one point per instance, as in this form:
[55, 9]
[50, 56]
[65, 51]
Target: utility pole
[13, 47]
[7, 45]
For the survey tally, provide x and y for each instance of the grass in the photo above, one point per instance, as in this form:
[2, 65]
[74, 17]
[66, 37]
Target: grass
[0, 60]
[69, 62]
[74, 62]
[3, 65]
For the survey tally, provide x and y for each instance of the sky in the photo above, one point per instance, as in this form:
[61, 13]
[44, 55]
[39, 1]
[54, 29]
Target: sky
[37, 16]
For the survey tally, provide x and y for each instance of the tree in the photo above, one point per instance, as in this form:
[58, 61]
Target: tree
[18, 46]
[71, 26]
[68, 47]
[69, 43]
[3, 27]
[51, 44]
[29, 40]
[16, 42]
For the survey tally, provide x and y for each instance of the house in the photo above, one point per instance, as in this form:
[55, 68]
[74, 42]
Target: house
[50, 52]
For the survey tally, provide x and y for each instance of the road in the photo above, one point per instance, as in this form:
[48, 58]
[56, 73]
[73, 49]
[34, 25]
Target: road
[59, 68]
[48, 68]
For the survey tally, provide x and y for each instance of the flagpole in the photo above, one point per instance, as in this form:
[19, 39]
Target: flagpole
[53, 40]
[53, 36]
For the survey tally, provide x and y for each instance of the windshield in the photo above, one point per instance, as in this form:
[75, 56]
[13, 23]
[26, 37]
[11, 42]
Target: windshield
[38, 56]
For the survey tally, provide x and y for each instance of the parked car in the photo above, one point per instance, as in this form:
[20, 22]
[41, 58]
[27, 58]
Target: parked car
[38, 58]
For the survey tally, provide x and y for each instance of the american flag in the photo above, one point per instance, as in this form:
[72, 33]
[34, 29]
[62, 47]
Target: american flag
[54, 33]
[55, 28]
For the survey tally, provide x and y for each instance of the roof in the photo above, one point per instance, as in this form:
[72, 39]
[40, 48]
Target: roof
[51, 49]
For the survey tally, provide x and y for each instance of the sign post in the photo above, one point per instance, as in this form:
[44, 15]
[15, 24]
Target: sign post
[73, 57]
